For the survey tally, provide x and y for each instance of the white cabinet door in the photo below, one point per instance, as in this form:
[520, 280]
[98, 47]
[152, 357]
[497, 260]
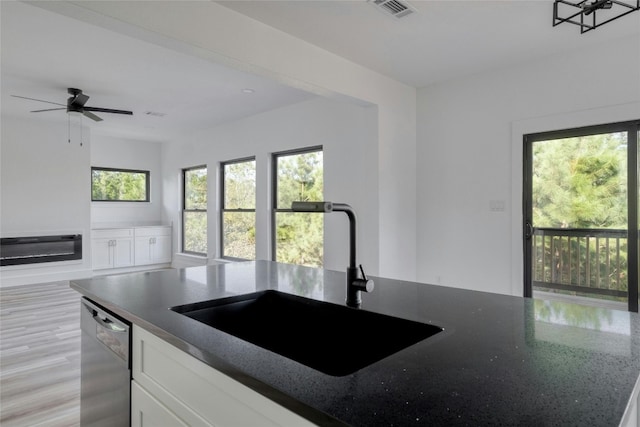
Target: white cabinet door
[153, 245]
[144, 250]
[123, 252]
[111, 248]
[128, 247]
[162, 250]
[146, 411]
[199, 394]
[101, 254]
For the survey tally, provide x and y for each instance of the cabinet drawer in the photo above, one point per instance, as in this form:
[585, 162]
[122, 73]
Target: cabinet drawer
[146, 411]
[170, 374]
[153, 231]
[112, 233]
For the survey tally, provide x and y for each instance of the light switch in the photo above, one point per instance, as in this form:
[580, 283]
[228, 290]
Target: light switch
[496, 205]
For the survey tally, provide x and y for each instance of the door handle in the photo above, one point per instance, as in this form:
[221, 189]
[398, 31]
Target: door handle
[528, 230]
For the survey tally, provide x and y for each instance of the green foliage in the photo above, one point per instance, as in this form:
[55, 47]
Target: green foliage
[240, 185]
[300, 178]
[195, 215]
[299, 236]
[580, 182]
[195, 188]
[118, 185]
[239, 235]
[239, 228]
[582, 261]
[195, 232]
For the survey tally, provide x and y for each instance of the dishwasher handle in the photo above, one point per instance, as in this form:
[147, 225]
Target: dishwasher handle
[108, 323]
[107, 328]
[104, 319]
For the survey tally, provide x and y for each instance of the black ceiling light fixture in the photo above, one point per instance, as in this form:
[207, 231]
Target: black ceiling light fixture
[589, 15]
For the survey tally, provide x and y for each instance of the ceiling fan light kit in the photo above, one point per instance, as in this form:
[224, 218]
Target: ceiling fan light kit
[589, 15]
[74, 121]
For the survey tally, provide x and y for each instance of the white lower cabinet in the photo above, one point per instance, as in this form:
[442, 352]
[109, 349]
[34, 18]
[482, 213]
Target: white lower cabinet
[147, 411]
[112, 248]
[153, 245]
[193, 393]
[129, 247]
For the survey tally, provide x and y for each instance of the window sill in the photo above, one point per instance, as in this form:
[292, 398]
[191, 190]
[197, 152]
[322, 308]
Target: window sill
[183, 260]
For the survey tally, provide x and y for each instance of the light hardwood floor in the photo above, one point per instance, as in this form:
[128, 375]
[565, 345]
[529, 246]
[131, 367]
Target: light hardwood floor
[40, 355]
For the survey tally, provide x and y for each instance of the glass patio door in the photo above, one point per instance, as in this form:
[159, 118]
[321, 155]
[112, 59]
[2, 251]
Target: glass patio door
[581, 213]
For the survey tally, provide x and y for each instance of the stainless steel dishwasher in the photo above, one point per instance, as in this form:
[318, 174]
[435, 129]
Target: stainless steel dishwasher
[105, 392]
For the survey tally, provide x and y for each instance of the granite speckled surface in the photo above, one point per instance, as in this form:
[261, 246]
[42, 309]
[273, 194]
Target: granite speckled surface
[500, 360]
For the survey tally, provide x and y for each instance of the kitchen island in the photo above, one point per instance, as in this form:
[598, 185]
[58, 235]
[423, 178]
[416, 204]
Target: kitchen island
[499, 359]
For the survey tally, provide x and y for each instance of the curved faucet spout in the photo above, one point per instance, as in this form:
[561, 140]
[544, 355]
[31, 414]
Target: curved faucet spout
[343, 207]
[355, 283]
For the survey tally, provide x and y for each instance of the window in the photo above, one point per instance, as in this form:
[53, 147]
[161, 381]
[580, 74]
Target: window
[238, 201]
[194, 210]
[298, 237]
[119, 185]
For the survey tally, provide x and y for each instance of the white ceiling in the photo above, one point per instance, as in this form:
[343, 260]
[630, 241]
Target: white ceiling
[44, 53]
[443, 40]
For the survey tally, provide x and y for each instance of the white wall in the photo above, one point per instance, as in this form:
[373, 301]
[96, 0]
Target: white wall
[45, 185]
[128, 154]
[347, 134]
[211, 31]
[469, 153]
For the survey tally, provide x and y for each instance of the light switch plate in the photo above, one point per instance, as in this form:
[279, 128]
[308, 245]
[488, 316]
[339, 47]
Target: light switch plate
[496, 205]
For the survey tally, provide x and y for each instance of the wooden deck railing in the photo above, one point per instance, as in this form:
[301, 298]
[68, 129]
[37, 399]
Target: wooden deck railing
[590, 261]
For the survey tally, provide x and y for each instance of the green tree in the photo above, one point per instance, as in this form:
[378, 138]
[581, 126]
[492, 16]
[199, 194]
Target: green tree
[195, 210]
[580, 182]
[299, 236]
[118, 185]
[239, 228]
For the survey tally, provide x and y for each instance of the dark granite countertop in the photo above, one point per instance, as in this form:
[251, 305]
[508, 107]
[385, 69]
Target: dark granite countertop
[500, 360]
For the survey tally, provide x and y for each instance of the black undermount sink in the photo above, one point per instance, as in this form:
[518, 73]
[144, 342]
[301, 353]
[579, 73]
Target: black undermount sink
[330, 338]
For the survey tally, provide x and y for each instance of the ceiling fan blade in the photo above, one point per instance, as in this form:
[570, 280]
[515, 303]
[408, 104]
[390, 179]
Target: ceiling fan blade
[92, 116]
[108, 110]
[48, 109]
[39, 100]
[79, 100]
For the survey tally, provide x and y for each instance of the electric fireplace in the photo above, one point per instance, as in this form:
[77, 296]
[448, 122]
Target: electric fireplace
[39, 249]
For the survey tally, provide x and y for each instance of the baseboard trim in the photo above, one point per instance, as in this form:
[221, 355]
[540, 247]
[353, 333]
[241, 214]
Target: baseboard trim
[31, 279]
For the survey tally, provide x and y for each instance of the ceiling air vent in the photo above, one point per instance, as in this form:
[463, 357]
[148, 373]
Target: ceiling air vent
[395, 8]
[155, 114]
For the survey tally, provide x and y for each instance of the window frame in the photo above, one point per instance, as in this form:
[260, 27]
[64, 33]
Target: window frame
[223, 209]
[147, 189]
[274, 190]
[184, 209]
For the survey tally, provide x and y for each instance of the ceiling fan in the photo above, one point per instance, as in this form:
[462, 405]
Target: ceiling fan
[75, 103]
